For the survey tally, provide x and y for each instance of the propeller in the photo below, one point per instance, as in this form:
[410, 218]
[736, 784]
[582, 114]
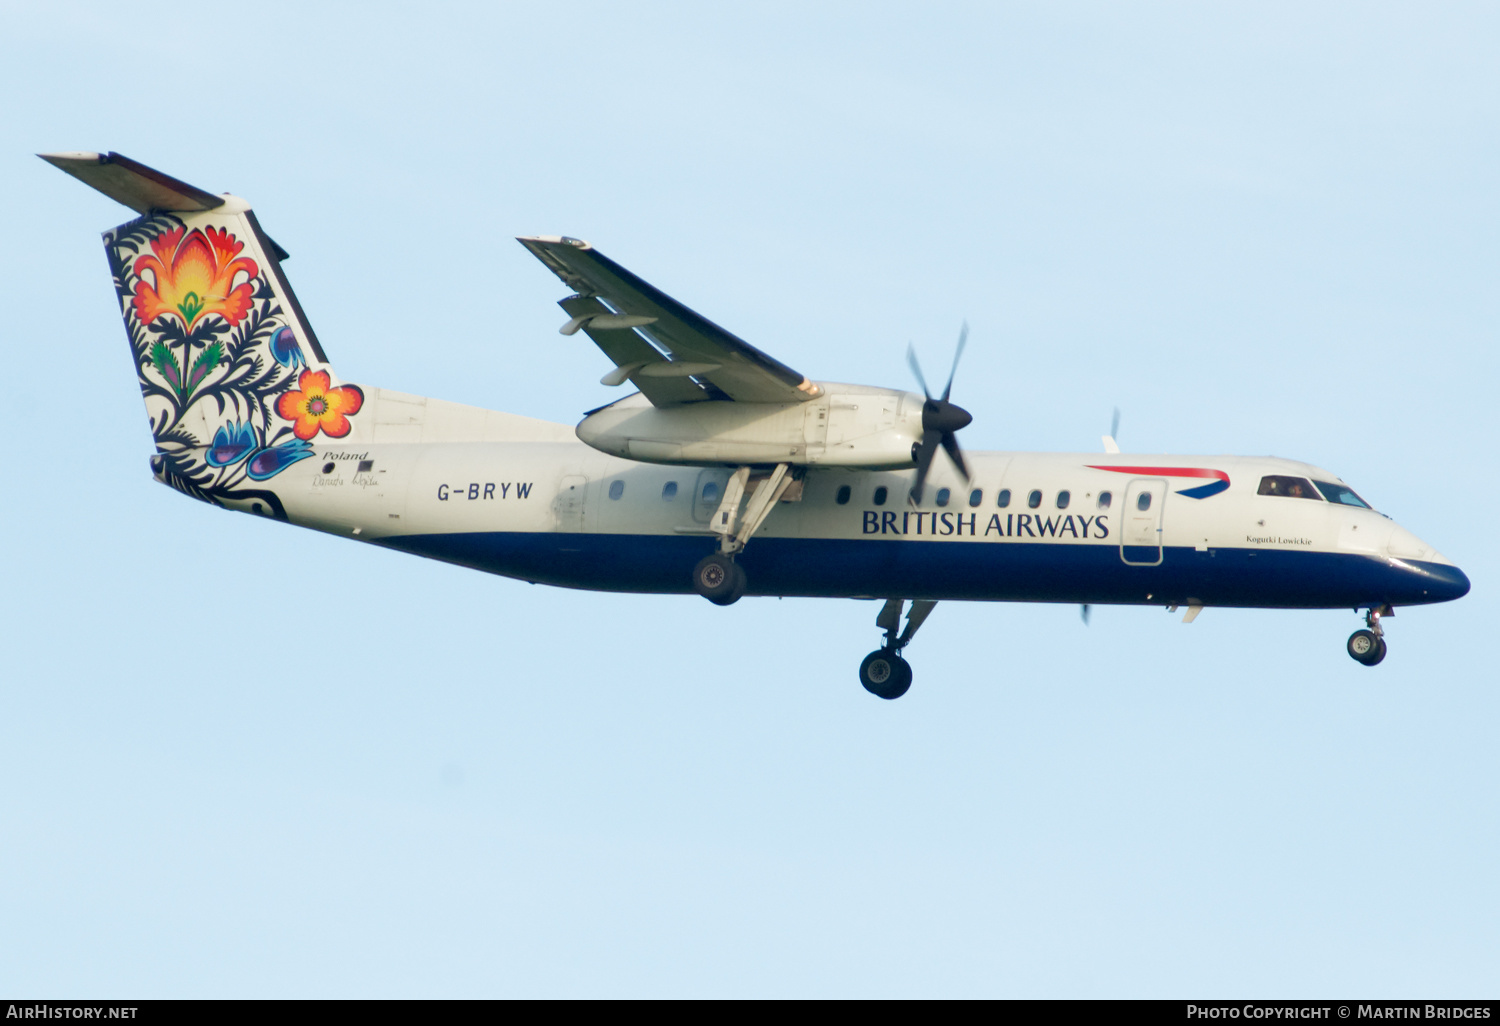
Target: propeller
[941, 419]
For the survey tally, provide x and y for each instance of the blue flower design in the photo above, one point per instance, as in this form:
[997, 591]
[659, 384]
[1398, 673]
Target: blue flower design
[270, 462]
[232, 443]
[285, 349]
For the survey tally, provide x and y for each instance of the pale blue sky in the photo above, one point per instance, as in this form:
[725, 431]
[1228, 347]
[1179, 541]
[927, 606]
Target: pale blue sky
[240, 759]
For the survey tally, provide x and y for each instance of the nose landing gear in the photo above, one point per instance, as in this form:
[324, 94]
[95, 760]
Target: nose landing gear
[1368, 646]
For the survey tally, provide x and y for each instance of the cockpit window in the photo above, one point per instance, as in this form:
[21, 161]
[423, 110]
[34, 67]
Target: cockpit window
[1290, 487]
[1341, 494]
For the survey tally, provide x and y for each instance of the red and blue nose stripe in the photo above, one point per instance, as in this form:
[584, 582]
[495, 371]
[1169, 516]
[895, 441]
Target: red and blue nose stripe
[1219, 483]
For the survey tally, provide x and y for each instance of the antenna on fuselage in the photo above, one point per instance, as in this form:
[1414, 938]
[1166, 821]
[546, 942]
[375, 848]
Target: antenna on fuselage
[1110, 445]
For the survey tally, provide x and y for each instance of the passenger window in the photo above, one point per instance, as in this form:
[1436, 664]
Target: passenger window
[1288, 487]
[616, 489]
[669, 491]
[1034, 499]
[711, 491]
[1003, 499]
[1143, 501]
[1105, 498]
[842, 498]
[880, 494]
[976, 496]
[942, 497]
[1063, 498]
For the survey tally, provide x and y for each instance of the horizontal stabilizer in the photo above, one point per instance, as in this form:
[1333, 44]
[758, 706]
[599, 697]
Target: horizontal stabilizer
[141, 188]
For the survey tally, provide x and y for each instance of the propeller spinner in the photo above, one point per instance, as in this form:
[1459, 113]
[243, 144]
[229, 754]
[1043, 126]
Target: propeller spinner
[941, 420]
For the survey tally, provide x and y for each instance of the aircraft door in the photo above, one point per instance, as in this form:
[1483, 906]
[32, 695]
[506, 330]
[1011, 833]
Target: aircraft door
[1140, 527]
[569, 504]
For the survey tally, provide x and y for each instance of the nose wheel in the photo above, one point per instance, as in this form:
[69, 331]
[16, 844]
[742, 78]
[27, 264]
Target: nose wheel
[1368, 646]
[1365, 647]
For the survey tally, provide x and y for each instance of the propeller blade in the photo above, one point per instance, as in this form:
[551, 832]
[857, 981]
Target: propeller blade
[1084, 610]
[1114, 425]
[950, 446]
[916, 368]
[963, 336]
[926, 449]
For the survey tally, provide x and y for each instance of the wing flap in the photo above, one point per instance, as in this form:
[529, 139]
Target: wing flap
[630, 351]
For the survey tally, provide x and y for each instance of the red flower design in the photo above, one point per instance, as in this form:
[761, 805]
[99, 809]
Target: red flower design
[315, 407]
[192, 274]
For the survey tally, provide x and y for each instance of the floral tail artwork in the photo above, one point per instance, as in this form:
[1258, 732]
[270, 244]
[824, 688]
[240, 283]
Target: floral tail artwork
[237, 388]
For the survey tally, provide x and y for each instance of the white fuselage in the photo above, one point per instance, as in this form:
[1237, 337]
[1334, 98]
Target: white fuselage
[537, 504]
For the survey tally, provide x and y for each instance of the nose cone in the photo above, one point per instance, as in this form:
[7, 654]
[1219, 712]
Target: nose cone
[1436, 582]
[943, 416]
[1448, 582]
[1425, 575]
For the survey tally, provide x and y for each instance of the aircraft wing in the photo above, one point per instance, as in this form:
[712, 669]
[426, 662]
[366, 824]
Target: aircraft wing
[672, 354]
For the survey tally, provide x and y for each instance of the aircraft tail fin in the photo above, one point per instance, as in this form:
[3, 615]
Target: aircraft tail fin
[237, 387]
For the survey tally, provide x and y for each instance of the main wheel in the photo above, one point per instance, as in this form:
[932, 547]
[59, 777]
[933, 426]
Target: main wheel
[1365, 647]
[885, 674]
[719, 579]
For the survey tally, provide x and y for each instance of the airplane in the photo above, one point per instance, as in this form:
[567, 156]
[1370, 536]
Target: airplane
[726, 473]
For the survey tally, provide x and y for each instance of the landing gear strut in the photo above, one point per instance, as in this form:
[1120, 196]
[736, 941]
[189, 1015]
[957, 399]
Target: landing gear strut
[884, 673]
[1368, 646]
[718, 577]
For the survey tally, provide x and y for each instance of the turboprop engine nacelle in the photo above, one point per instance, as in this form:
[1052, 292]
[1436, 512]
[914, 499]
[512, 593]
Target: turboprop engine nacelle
[846, 426]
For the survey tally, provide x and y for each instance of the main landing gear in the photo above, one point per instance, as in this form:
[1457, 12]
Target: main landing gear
[1368, 646]
[884, 673]
[718, 577]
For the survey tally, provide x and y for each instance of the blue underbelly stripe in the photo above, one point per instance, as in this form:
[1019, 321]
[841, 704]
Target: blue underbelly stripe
[1033, 572]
